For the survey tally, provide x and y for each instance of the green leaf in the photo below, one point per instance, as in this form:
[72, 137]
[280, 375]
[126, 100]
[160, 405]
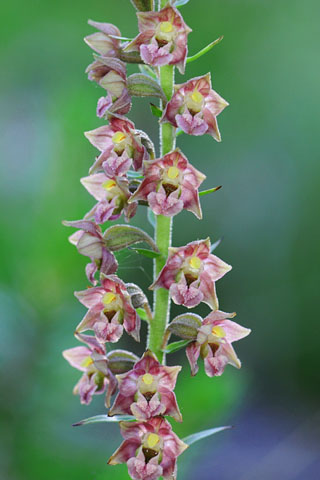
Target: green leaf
[148, 71]
[118, 237]
[195, 437]
[179, 3]
[204, 50]
[151, 217]
[215, 245]
[142, 314]
[156, 111]
[124, 39]
[179, 132]
[103, 418]
[133, 174]
[141, 85]
[146, 253]
[210, 190]
[175, 346]
[143, 5]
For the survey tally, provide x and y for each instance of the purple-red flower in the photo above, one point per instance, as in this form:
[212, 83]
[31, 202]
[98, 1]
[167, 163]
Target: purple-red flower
[171, 183]
[194, 107]
[162, 39]
[93, 380]
[102, 42]
[147, 390]
[190, 274]
[110, 310]
[120, 145]
[112, 195]
[89, 242]
[150, 449]
[214, 343]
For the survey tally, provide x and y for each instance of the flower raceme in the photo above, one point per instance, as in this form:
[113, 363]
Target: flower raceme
[171, 184]
[147, 390]
[110, 310]
[126, 174]
[194, 107]
[150, 449]
[190, 274]
[214, 343]
[162, 39]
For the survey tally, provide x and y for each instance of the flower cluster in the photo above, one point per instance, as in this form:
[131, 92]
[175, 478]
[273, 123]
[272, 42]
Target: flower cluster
[127, 175]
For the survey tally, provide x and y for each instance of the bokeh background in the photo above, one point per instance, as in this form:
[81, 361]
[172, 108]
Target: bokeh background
[268, 68]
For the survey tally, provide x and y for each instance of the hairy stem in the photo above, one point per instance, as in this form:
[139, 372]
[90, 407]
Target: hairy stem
[162, 231]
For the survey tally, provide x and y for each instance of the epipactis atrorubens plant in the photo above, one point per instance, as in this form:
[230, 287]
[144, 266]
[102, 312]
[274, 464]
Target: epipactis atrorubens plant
[127, 175]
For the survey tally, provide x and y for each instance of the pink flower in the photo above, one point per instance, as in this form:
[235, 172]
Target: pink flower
[112, 195]
[102, 42]
[110, 310]
[89, 242]
[194, 107]
[110, 74]
[190, 274]
[93, 380]
[147, 390]
[120, 145]
[150, 449]
[171, 183]
[214, 343]
[162, 39]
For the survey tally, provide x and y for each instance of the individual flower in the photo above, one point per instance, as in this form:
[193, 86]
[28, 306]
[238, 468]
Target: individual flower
[150, 449]
[194, 107]
[214, 343]
[162, 39]
[190, 274]
[112, 195]
[93, 380]
[171, 183]
[89, 242]
[103, 42]
[110, 310]
[110, 74]
[120, 144]
[147, 390]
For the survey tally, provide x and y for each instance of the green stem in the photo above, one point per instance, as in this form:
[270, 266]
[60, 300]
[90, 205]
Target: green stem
[162, 232]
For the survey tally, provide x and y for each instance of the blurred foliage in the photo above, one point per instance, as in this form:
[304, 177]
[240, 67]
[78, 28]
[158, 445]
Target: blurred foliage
[267, 67]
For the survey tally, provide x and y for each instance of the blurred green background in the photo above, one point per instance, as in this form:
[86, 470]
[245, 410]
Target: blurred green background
[268, 68]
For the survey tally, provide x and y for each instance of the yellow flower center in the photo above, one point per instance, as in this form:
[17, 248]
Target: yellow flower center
[147, 379]
[108, 298]
[166, 27]
[196, 96]
[109, 184]
[195, 262]
[173, 172]
[218, 331]
[152, 440]
[86, 362]
[118, 137]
